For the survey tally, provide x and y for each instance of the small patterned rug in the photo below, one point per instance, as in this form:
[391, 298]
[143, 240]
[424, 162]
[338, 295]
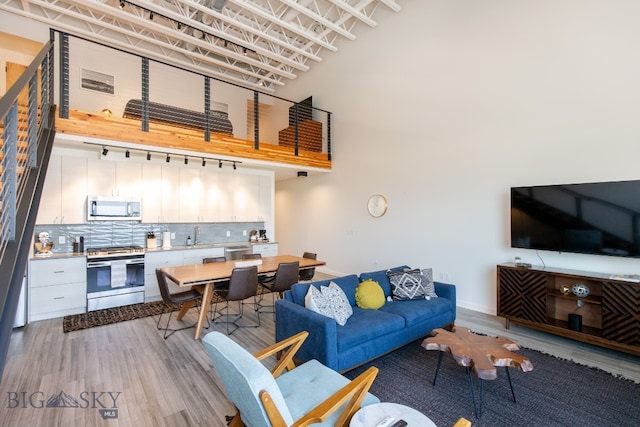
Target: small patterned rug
[108, 316]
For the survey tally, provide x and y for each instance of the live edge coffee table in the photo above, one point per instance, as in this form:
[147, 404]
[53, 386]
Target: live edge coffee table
[479, 354]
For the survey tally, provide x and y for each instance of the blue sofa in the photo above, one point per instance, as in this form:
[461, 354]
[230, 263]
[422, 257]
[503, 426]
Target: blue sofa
[367, 334]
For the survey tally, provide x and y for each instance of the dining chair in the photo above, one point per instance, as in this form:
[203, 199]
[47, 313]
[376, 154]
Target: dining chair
[307, 273]
[251, 256]
[285, 277]
[286, 395]
[243, 284]
[173, 299]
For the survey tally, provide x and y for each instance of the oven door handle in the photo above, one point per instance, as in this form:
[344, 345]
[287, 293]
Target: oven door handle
[95, 264]
[135, 261]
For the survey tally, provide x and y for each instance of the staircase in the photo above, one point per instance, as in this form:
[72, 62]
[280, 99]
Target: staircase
[27, 133]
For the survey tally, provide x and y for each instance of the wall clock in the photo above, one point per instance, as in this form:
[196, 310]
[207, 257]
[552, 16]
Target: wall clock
[377, 205]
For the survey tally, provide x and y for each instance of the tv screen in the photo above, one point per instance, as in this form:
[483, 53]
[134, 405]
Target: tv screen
[594, 218]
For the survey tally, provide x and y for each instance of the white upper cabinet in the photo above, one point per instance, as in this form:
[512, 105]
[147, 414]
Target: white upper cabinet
[190, 194]
[64, 195]
[114, 178]
[170, 194]
[210, 205]
[151, 195]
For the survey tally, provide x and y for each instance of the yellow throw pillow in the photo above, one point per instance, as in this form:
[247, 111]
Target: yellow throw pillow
[369, 295]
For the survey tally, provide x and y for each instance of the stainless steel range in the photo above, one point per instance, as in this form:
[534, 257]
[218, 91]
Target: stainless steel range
[115, 276]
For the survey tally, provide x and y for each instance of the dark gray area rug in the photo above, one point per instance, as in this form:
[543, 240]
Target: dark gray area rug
[556, 393]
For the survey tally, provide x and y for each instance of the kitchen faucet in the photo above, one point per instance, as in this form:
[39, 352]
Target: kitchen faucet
[197, 233]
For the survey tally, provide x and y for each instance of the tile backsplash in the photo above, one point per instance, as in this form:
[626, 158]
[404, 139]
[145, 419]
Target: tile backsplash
[126, 233]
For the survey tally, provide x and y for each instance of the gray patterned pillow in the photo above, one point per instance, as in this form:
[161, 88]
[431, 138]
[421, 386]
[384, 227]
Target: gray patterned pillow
[315, 301]
[338, 301]
[406, 284]
[427, 283]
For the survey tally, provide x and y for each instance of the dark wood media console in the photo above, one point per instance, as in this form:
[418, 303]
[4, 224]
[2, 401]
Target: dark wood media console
[533, 297]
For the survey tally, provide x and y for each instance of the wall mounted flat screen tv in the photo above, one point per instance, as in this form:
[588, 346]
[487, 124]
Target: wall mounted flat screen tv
[594, 218]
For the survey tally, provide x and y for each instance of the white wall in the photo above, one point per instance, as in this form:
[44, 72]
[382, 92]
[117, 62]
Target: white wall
[446, 105]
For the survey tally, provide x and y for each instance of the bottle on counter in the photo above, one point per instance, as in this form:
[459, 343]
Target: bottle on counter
[189, 241]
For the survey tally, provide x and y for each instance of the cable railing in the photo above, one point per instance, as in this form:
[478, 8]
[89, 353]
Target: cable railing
[22, 117]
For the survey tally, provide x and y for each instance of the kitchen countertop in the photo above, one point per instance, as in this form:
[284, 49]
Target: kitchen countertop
[60, 255]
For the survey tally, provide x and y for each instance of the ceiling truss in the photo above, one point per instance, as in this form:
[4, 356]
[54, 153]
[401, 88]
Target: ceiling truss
[258, 44]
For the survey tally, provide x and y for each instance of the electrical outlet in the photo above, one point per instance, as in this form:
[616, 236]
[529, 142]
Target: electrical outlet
[228, 233]
[244, 232]
[173, 235]
[61, 240]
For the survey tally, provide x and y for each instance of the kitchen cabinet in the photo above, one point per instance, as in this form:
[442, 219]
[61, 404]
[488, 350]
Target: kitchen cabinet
[161, 192]
[239, 195]
[190, 195]
[57, 287]
[114, 178]
[64, 195]
[171, 258]
[210, 205]
[265, 249]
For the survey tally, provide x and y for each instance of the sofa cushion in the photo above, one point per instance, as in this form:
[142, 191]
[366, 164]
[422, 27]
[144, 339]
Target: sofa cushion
[406, 284]
[417, 310]
[427, 283]
[316, 301]
[347, 283]
[366, 325]
[369, 295]
[338, 302]
[380, 276]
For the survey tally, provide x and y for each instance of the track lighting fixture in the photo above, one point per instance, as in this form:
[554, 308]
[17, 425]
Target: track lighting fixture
[151, 16]
[129, 149]
[121, 4]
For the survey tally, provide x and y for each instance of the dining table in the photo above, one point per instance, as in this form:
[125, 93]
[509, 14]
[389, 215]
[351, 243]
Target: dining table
[205, 276]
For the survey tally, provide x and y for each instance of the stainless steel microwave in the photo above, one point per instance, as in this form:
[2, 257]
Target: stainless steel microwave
[106, 208]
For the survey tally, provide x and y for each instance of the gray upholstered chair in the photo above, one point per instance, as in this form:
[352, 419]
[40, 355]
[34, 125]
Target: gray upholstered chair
[285, 277]
[287, 395]
[243, 284]
[177, 298]
[307, 273]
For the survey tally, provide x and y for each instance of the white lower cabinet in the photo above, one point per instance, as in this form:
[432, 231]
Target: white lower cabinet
[57, 287]
[172, 258]
[265, 249]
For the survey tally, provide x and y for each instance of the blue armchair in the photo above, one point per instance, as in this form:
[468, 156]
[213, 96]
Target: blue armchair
[287, 395]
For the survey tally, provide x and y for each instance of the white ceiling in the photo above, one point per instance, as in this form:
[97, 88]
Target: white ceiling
[258, 44]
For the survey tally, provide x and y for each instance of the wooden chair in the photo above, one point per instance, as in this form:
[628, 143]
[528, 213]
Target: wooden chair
[242, 285]
[266, 398]
[308, 273]
[178, 298]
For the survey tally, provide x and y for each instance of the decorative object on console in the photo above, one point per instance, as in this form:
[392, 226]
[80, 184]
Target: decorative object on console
[581, 291]
[565, 290]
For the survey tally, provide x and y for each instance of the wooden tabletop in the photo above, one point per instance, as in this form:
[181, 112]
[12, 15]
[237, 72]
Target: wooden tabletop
[197, 274]
[481, 353]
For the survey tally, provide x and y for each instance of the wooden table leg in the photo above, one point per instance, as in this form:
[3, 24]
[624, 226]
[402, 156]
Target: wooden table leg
[204, 309]
[184, 308]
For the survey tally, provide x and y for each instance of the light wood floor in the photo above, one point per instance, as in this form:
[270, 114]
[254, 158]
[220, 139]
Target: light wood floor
[172, 382]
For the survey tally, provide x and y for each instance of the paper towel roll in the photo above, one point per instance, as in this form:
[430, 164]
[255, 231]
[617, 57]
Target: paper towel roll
[166, 239]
